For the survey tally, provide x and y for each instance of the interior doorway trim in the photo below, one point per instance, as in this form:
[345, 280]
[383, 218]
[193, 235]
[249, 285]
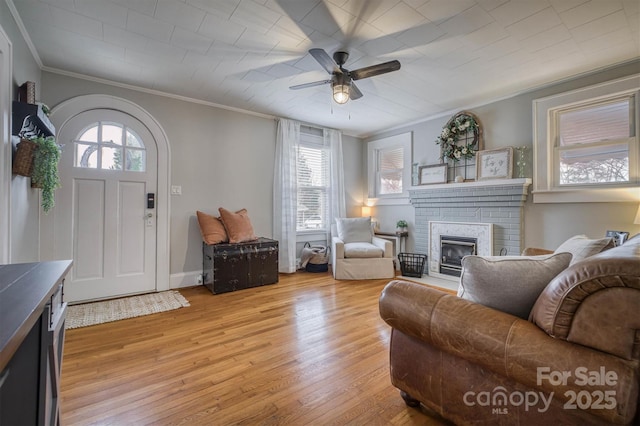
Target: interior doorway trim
[68, 109]
[6, 81]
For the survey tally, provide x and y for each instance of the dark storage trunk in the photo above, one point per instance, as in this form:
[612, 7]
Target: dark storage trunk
[229, 267]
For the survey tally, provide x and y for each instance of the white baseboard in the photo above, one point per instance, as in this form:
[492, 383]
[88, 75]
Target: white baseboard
[184, 279]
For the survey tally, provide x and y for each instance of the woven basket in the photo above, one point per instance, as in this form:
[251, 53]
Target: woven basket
[23, 161]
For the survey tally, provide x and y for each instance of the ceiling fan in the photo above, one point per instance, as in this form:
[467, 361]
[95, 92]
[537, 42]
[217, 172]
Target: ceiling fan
[341, 78]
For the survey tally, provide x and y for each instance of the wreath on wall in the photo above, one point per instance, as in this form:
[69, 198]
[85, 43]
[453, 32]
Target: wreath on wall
[460, 137]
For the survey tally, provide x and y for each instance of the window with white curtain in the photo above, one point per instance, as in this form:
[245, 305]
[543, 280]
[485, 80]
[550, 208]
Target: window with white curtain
[313, 159]
[586, 144]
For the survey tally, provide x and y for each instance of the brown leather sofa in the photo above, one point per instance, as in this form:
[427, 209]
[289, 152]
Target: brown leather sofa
[575, 362]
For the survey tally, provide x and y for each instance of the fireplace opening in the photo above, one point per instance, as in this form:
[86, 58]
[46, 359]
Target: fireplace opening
[452, 250]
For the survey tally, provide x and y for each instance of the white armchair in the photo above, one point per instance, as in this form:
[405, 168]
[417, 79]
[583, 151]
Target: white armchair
[357, 254]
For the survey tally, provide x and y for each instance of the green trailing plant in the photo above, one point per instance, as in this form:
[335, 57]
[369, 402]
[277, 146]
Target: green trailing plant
[402, 224]
[45, 169]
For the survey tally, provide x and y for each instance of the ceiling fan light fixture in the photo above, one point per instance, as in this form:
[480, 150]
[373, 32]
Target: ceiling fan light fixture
[341, 93]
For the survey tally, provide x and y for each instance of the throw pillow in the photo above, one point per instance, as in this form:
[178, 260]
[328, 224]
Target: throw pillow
[354, 229]
[510, 284]
[238, 225]
[211, 228]
[582, 247]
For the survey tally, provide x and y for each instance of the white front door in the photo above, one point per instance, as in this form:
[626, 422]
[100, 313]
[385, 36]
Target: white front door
[103, 218]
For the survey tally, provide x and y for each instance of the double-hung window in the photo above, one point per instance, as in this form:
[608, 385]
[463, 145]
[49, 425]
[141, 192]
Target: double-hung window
[313, 179]
[593, 142]
[586, 144]
[389, 168]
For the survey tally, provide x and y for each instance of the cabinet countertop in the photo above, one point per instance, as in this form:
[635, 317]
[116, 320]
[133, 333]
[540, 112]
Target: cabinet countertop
[25, 288]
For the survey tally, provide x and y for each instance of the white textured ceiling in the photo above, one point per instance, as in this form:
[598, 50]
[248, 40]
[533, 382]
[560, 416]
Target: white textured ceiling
[246, 53]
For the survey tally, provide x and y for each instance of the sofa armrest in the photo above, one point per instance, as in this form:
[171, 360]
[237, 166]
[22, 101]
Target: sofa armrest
[500, 342]
[337, 248]
[595, 302]
[533, 251]
[385, 245]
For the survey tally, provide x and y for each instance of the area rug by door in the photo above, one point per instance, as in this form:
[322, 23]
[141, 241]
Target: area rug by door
[126, 307]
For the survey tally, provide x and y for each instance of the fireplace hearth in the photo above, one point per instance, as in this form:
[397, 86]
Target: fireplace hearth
[452, 250]
[490, 210]
[451, 241]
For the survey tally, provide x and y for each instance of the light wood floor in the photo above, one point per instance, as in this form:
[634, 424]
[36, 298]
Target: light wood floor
[308, 350]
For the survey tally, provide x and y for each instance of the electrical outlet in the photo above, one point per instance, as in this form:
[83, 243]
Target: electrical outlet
[199, 279]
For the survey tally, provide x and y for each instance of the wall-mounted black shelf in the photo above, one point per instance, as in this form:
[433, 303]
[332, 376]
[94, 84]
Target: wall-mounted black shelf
[38, 120]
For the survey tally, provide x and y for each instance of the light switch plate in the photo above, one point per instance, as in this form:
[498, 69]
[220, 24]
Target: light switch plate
[176, 190]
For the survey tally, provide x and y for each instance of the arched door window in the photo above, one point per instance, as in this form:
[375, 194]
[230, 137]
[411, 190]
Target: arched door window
[109, 146]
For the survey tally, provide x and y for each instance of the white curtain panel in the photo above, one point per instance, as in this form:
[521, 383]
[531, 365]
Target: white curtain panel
[333, 138]
[285, 193]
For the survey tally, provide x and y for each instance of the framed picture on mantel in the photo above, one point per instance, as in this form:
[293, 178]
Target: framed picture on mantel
[494, 164]
[436, 173]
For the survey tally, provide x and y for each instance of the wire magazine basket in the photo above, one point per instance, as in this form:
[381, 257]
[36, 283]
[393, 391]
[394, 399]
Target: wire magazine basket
[412, 264]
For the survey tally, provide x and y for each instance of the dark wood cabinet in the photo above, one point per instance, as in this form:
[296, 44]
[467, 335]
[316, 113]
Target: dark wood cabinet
[229, 267]
[32, 316]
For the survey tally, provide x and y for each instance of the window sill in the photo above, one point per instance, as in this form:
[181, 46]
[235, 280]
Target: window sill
[602, 195]
[311, 236]
[395, 201]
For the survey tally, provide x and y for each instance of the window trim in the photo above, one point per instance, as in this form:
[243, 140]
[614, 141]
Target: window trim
[545, 190]
[404, 141]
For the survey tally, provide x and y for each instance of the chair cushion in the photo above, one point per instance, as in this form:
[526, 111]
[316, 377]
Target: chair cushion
[211, 228]
[509, 284]
[362, 250]
[354, 229]
[582, 247]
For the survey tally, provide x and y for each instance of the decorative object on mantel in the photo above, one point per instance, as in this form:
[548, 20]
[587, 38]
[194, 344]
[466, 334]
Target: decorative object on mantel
[521, 161]
[460, 139]
[435, 173]
[495, 164]
[401, 226]
[415, 176]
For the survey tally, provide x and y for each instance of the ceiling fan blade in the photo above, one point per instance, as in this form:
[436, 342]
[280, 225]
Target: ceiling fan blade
[354, 92]
[374, 70]
[313, 84]
[325, 60]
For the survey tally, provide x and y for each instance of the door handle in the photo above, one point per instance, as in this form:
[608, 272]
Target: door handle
[149, 215]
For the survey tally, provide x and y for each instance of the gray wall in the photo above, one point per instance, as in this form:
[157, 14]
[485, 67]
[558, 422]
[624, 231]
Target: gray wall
[24, 207]
[509, 123]
[220, 158]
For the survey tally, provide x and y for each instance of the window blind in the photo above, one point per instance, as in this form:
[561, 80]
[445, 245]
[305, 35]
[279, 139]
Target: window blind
[390, 168]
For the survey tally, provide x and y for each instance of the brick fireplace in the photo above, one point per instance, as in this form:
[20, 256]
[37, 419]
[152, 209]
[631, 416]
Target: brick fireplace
[496, 202]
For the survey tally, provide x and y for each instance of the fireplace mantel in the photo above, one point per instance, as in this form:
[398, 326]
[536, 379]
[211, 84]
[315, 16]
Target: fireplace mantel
[489, 193]
[517, 182]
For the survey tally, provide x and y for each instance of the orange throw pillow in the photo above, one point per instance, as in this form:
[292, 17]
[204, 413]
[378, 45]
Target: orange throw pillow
[238, 225]
[211, 228]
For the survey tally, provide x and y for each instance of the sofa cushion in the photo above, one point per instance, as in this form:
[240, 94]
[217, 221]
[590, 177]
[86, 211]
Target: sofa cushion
[238, 225]
[582, 247]
[354, 229]
[211, 228]
[510, 284]
[362, 250]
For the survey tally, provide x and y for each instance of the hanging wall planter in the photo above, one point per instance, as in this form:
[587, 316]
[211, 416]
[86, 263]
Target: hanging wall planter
[45, 170]
[23, 160]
